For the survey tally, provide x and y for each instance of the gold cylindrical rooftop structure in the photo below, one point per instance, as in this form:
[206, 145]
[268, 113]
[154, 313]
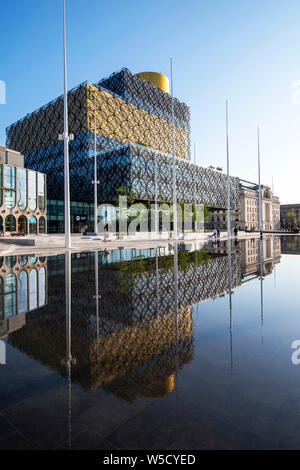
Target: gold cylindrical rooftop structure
[157, 79]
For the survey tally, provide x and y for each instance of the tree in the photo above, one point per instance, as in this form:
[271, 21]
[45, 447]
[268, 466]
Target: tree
[122, 191]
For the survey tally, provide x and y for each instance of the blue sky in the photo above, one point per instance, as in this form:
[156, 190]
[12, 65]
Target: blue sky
[247, 52]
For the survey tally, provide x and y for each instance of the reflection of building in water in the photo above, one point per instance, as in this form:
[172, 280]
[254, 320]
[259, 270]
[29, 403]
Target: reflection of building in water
[130, 289]
[250, 255]
[290, 245]
[23, 287]
[132, 348]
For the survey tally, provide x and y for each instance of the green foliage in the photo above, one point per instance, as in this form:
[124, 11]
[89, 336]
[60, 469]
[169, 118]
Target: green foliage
[122, 191]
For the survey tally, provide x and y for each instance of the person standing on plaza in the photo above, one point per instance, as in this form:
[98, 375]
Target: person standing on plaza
[1, 230]
[105, 235]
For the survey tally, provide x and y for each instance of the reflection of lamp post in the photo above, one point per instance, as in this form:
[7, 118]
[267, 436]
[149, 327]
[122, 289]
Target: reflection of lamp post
[176, 316]
[261, 291]
[230, 300]
[97, 297]
[157, 287]
[69, 361]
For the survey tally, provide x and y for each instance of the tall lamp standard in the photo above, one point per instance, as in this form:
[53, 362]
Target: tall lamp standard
[173, 160]
[155, 182]
[228, 180]
[195, 189]
[66, 137]
[259, 186]
[95, 181]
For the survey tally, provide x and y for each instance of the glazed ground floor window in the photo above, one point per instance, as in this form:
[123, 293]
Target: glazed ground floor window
[32, 225]
[22, 224]
[10, 223]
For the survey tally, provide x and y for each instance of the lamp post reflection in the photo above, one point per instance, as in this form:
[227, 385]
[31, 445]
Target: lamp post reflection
[230, 301]
[261, 290]
[176, 319]
[157, 288]
[97, 296]
[68, 362]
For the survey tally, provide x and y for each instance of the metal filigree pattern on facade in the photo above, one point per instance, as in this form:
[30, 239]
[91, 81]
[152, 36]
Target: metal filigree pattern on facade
[133, 125]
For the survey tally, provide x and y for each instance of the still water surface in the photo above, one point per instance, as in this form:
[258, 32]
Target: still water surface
[147, 349]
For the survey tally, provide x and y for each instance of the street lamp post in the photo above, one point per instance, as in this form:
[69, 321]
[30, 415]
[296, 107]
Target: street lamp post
[259, 186]
[66, 138]
[95, 182]
[228, 180]
[195, 189]
[173, 160]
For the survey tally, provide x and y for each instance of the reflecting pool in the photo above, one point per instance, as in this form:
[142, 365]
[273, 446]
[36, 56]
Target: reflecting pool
[171, 347]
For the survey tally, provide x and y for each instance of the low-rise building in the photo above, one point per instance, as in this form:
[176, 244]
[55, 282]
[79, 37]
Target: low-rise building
[23, 199]
[249, 207]
[247, 216]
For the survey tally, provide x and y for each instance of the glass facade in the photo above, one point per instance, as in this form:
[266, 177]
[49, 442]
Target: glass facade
[22, 292]
[42, 225]
[55, 215]
[33, 293]
[22, 188]
[9, 198]
[10, 223]
[10, 295]
[41, 191]
[32, 202]
[23, 289]
[9, 180]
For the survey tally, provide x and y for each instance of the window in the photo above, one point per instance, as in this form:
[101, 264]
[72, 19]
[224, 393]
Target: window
[10, 261]
[22, 224]
[9, 198]
[22, 292]
[10, 223]
[42, 225]
[33, 289]
[41, 191]
[10, 294]
[22, 260]
[32, 224]
[22, 189]
[10, 283]
[42, 287]
[9, 177]
[32, 190]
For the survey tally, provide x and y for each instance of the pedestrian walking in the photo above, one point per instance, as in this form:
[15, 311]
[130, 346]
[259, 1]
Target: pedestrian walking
[1, 230]
[106, 235]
